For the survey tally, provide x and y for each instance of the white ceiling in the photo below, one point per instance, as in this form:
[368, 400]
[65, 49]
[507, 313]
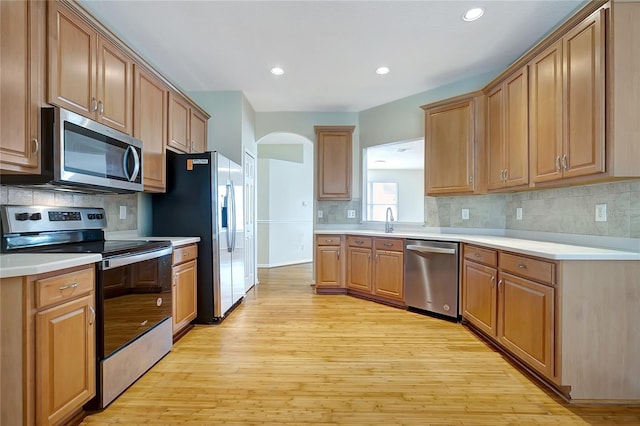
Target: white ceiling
[396, 156]
[329, 49]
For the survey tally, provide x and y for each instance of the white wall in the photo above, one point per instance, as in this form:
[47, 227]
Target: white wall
[285, 204]
[410, 191]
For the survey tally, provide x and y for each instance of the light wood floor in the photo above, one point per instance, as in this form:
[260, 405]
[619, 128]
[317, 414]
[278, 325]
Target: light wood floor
[287, 356]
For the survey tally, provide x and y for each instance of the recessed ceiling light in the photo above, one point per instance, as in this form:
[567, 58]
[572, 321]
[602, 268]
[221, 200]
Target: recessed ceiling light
[277, 71]
[403, 149]
[382, 70]
[473, 14]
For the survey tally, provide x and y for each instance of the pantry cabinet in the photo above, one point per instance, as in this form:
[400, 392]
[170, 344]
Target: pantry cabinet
[150, 113]
[22, 55]
[88, 74]
[334, 153]
[187, 126]
[184, 287]
[454, 145]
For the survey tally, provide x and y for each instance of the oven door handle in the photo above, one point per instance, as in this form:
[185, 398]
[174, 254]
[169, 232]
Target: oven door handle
[116, 262]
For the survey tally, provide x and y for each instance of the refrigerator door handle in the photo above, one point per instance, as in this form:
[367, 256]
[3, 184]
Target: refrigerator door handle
[230, 214]
[233, 217]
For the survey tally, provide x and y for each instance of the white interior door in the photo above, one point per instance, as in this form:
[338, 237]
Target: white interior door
[250, 221]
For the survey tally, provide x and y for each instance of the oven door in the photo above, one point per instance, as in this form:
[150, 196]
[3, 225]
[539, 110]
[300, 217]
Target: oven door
[90, 153]
[133, 295]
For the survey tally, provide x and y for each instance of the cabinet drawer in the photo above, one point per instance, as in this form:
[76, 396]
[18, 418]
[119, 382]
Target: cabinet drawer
[354, 241]
[537, 270]
[183, 254]
[63, 287]
[328, 240]
[389, 244]
[481, 255]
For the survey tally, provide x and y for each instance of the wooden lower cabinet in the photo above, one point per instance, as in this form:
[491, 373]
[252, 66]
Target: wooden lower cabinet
[330, 264]
[184, 287]
[388, 275]
[65, 359]
[480, 297]
[526, 312]
[359, 269]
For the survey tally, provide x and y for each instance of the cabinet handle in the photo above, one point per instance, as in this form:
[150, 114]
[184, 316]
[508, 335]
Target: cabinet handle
[499, 284]
[93, 315]
[388, 244]
[72, 285]
[377, 257]
[506, 174]
[558, 163]
[35, 145]
[338, 254]
[369, 256]
[522, 266]
[328, 241]
[100, 108]
[476, 254]
[493, 280]
[94, 105]
[359, 242]
[565, 162]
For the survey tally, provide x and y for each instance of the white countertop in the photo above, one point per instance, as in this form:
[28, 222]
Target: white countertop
[175, 241]
[15, 265]
[547, 250]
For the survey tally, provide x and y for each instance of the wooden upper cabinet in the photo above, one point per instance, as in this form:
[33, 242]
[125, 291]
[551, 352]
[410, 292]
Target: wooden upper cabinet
[507, 132]
[334, 162]
[452, 128]
[22, 57]
[187, 126]
[88, 74]
[150, 113]
[567, 106]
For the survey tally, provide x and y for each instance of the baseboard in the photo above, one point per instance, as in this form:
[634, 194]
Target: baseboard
[277, 265]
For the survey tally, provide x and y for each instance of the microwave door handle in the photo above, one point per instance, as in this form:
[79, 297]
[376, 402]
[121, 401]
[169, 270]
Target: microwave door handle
[136, 163]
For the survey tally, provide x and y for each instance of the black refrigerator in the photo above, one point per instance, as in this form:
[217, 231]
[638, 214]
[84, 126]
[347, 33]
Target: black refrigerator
[204, 199]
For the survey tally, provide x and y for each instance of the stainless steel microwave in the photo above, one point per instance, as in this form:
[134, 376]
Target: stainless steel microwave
[83, 155]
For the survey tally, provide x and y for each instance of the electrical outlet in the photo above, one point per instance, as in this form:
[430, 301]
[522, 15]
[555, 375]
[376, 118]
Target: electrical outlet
[465, 214]
[123, 212]
[519, 213]
[319, 214]
[351, 214]
[601, 212]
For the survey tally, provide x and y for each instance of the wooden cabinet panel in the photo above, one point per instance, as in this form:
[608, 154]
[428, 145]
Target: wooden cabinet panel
[495, 138]
[535, 269]
[22, 57]
[115, 92]
[481, 255]
[584, 100]
[526, 321]
[63, 287]
[72, 61]
[150, 110]
[178, 123]
[328, 267]
[184, 294]
[65, 359]
[479, 297]
[388, 275]
[334, 151]
[359, 269]
[198, 132]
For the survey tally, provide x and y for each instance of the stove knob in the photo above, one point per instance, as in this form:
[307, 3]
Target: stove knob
[35, 216]
[22, 216]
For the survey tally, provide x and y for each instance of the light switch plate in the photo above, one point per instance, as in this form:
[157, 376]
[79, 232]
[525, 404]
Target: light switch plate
[601, 212]
[519, 213]
[319, 214]
[123, 212]
[465, 214]
[351, 214]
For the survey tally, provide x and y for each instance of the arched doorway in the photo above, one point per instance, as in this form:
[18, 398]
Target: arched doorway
[285, 200]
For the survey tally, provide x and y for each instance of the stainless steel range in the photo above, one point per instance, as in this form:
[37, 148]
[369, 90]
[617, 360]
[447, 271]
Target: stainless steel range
[133, 287]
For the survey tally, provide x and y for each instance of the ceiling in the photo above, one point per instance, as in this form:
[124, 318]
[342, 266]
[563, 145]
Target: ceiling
[407, 155]
[328, 49]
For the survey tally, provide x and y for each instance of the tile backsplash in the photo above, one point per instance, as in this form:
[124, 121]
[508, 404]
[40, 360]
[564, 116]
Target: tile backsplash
[110, 202]
[335, 212]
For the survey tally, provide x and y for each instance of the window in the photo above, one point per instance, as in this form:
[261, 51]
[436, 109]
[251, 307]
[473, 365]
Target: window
[380, 196]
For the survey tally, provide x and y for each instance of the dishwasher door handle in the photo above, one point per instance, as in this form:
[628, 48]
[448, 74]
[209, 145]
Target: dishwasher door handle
[424, 249]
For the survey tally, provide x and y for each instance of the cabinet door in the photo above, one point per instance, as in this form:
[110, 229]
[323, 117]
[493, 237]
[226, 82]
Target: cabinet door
[334, 165]
[359, 269]
[22, 57]
[328, 270]
[545, 114]
[114, 86]
[388, 275]
[526, 321]
[516, 122]
[495, 138]
[198, 132]
[65, 359]
[179, 123]
[150, 125]
[479, 297]
[184, 294]
[72, 61]
[584, 99]
[449, 148]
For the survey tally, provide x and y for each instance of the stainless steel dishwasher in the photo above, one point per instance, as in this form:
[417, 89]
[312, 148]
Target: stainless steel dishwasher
[431, 276]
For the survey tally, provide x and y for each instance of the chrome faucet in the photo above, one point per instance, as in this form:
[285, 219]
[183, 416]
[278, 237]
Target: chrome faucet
[388, 226]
